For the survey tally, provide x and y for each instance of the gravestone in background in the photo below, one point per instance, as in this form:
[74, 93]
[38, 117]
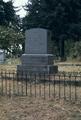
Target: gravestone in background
[2, 56]
[38, 55]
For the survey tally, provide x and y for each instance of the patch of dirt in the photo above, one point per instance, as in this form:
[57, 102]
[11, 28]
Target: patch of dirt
[27, 108]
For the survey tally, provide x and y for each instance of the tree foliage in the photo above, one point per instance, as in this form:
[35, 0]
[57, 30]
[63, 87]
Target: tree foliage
[62, 17]
[8, 13]
[2, 13]
[11, 36]
[10, 40]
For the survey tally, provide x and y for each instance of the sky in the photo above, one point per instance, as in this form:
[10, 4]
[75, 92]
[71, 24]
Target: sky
[20, 4]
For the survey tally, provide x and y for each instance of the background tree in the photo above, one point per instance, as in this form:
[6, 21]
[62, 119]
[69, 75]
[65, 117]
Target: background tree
[2, 13]
[11, 41]
[9, 12]
[11, 35]
[62, 17]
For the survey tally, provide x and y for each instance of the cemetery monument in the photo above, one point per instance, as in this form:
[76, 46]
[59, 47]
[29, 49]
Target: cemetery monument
[38, 55]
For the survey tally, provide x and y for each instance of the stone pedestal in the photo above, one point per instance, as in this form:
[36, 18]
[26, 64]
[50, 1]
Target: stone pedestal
[37, 63]
[38, 57]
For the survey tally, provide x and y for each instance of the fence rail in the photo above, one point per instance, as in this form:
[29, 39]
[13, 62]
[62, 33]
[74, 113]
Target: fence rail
[57, 86]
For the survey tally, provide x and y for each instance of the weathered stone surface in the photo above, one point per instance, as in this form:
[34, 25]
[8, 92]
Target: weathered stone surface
[38, 41]
[48, 69]
[38, 55]
[37, 59]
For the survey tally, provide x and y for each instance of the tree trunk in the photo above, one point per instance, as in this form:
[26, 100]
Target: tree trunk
[62, 50]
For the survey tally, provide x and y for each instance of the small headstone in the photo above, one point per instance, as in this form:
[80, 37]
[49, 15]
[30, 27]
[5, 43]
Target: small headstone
[2, 56]
[38, 55]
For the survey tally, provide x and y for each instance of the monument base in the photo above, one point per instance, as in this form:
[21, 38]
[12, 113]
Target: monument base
[49, 69]
[37, 63]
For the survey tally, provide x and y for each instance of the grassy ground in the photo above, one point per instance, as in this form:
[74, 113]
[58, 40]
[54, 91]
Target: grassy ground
[11, 64]
[25, 108]
[31, 108]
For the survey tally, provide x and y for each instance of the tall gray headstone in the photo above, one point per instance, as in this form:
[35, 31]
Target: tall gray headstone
[38, 55]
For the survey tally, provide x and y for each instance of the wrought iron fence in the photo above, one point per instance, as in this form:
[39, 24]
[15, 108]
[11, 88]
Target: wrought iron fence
[57, 86]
